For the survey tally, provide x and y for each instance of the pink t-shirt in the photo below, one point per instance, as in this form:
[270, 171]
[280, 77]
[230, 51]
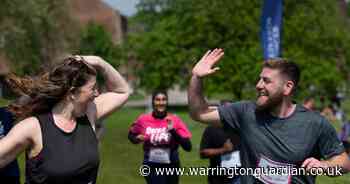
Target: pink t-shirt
[155, 131]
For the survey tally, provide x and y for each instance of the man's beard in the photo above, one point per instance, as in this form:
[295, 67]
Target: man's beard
[270, 103]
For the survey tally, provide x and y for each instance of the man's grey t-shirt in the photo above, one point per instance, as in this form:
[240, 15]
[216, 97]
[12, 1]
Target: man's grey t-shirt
[288, 141]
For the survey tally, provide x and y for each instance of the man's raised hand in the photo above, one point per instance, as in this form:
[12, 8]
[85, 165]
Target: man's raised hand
[204, 67]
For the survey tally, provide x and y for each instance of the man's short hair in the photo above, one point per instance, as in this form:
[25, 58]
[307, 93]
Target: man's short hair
[286, 67]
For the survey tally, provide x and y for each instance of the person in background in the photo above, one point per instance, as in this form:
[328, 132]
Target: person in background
[344, 133]
[222, 150]
[161, 134]
[328, 113]
[309, 103]
[216, 145]
[9, 174]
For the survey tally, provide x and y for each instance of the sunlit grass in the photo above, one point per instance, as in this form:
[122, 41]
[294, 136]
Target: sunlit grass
[120, 159]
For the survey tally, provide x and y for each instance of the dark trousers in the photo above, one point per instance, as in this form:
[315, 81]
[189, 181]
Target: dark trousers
[223, 180]
[154, 178]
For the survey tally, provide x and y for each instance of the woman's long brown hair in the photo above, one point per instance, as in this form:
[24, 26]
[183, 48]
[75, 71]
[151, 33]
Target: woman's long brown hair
[45, 91]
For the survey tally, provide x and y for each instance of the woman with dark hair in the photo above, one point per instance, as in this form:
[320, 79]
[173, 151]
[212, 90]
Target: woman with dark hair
[58, 127]
[161, 134]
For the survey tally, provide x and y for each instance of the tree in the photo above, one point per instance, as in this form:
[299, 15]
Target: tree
[35, 32]
[95, 40]
[180, 31]
[316, 37]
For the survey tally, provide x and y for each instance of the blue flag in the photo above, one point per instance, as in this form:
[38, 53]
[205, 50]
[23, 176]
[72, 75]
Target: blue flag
[271, 22]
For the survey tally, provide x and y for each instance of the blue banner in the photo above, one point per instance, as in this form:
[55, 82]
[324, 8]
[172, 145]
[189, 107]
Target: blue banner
[271, 22]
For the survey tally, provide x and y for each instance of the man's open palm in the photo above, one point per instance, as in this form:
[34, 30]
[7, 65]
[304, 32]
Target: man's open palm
[205, 66]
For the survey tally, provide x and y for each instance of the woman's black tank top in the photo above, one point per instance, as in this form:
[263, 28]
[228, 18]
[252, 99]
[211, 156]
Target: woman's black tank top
[66, 158]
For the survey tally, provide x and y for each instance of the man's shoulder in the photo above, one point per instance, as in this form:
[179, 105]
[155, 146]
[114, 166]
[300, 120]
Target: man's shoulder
[239, 107]
[242, 104]
[311, 116]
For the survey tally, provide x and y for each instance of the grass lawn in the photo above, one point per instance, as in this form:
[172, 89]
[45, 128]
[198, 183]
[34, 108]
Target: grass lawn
[120, 159]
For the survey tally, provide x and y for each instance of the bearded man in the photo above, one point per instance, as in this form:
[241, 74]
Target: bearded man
[274, 132]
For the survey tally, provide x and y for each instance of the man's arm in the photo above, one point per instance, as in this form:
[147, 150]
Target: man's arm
[199, 108]
[212, 152]
[341, 161]
[331, 150]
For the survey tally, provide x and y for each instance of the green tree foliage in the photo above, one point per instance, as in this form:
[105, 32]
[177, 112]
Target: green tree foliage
[95, 40]
[316, 36]
[34, 32]
[178, 32]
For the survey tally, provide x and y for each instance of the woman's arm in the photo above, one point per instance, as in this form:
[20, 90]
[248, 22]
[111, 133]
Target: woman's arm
[135, 138]
[117, 89]
[184, 142]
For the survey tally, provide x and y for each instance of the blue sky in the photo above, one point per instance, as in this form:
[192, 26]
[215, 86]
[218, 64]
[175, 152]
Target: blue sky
[126, 7]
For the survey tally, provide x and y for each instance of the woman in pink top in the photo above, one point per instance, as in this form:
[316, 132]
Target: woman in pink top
[161, 134]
